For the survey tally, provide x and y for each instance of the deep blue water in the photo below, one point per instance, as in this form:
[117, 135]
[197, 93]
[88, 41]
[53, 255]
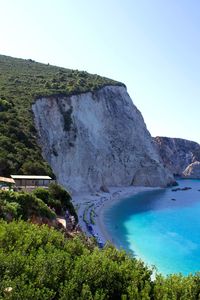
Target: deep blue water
[161, 231]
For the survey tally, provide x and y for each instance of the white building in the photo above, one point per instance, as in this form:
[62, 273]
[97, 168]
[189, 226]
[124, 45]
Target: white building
[31, 181]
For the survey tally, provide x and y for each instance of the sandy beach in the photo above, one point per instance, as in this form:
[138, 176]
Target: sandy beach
[91, 207]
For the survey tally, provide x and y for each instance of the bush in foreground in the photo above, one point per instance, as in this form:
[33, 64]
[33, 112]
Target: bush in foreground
[40, 263]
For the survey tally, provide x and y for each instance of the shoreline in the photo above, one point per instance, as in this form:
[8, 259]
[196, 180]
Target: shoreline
[101, 202]
[91, 207]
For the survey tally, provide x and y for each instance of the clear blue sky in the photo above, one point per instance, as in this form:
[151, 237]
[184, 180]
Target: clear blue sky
[153, 46]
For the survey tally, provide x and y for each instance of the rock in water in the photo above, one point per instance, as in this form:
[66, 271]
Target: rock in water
[193, 170]
[98, 139]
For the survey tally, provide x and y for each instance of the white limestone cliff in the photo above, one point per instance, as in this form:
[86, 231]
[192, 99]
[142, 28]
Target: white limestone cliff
[97, 139]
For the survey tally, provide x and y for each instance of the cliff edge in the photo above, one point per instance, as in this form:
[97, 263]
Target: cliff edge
[97, 139]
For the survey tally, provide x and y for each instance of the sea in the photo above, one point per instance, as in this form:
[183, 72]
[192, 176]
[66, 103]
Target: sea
[161, 227]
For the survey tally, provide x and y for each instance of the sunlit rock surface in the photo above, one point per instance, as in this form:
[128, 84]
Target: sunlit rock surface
[98, 139]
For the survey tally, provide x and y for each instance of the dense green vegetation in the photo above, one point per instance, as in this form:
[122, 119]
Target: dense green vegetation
[21, 82]
[57, 198]
[40, 263]
[15, 205]
[40, 203]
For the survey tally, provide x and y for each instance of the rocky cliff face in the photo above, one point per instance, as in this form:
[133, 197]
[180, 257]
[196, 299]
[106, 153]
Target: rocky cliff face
[193, 170]
[177, 154]
[97, 139]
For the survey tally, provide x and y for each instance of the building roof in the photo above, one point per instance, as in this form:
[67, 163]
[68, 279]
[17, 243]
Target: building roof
[7, 180]
[37, 177]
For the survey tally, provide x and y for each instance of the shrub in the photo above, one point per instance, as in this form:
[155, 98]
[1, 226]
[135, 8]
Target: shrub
[40, 263]
[34, 167]
[59, 193]
[23, 205]
[4, 105]
[42, 194]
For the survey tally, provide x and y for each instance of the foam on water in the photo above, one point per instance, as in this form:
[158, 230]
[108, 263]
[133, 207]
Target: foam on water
[161, 227]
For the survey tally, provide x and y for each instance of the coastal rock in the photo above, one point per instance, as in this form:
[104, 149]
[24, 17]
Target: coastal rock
[193, 170]
[177, 153]
[98, 139]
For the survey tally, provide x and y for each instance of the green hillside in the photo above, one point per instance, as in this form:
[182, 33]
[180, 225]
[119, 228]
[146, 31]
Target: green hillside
[21, 82]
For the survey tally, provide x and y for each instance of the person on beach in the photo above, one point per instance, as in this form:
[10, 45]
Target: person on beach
[67, 215]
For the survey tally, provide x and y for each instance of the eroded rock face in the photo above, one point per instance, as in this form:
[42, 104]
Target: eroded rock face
[176, 153]
[193, 170]
[98, 139]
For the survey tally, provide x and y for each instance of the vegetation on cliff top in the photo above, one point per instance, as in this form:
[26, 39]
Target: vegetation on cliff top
[21, 82]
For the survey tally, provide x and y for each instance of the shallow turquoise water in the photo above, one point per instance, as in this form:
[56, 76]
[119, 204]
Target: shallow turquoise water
[161, 231]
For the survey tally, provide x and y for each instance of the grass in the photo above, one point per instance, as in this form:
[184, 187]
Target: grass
[21, 83]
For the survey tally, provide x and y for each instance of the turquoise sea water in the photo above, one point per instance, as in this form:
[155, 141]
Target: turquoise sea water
[161, 231]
